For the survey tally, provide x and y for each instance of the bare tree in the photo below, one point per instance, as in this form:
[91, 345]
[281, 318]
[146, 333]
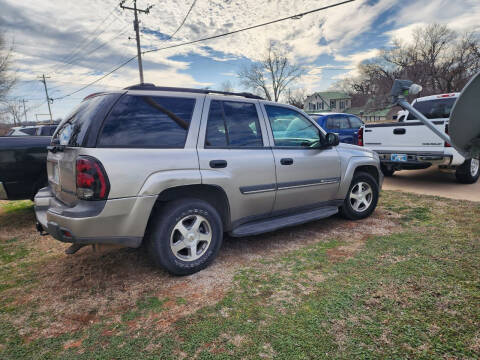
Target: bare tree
[227, 86]
[272, 75]
[296, 97]
[439, 59]
[7, 80]
[15, 110]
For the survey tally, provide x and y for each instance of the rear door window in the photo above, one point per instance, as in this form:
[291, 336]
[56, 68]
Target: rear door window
[148, 122]
[233, 124]
[338, 122]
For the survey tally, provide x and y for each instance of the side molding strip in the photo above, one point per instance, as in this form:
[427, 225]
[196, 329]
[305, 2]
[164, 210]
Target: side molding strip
[255, 189]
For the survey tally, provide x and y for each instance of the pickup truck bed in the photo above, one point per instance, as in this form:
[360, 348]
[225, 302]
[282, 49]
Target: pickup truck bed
[22, 166]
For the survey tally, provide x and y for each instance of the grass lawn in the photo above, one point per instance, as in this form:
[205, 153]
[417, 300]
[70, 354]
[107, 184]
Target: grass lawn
[413, 293]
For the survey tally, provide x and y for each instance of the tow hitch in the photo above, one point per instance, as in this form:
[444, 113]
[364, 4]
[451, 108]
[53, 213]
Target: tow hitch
[40, 229]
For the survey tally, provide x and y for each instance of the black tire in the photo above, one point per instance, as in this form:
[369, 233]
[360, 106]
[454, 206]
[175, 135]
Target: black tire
[466, 173]
[162, 225]
[347, 210]
[387, 171]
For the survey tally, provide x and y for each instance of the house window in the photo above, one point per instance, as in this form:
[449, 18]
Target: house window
[342, 104]
[333, 104]
[312, 106]
[320, 106]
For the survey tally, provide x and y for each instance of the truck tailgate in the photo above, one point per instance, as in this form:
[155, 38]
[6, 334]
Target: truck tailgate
[408, 137]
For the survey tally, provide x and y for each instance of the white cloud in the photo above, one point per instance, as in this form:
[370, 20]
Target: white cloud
[48, 32]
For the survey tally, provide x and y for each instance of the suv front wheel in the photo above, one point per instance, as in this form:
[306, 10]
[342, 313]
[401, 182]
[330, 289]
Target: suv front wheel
[362, 197]
[185, 236]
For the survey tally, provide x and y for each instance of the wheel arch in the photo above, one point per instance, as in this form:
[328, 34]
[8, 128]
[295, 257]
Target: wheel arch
[355, 165]
[212, 194]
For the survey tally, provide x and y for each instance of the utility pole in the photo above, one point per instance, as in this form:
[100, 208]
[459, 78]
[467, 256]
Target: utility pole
[137, 31]
[25, 110]
[43, 79]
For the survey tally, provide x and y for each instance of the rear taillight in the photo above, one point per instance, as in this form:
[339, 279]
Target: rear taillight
[360, 137]
[446, 132]
[92, 181]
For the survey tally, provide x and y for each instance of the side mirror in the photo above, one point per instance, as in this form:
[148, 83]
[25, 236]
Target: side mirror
[332, 139]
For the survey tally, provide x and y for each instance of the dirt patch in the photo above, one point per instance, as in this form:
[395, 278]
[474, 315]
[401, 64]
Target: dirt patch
[75, 291]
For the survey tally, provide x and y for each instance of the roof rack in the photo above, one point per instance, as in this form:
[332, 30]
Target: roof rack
[148, 86]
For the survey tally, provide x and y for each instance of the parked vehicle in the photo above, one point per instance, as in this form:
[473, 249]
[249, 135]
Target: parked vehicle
[173, 169]
[22, 131]
[23, 166]
[412, 145]
[345, 125]
[38, 130]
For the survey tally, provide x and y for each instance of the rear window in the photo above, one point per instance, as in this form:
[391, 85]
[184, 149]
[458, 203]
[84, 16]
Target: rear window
[434, 109]
[148, 122]
[73, 129]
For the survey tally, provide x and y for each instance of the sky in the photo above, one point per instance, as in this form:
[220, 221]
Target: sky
[76, 42]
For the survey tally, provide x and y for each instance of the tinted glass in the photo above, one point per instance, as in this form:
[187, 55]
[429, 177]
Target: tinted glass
[355, 122]
[29, 131]
[46, 130]
[73, 128]
[299, 132]
[434, 109]
[233, 124]
[338, 122]
[148, 122]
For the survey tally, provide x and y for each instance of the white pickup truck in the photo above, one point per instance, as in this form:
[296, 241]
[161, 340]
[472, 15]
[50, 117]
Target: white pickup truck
[409, 144]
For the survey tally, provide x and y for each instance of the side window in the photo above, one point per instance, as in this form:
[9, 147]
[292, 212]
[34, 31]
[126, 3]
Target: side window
[148, 122]
[29, 131]
[332, 123]
[298, 132]
[233, 124]
[344, 124]
[355, 122]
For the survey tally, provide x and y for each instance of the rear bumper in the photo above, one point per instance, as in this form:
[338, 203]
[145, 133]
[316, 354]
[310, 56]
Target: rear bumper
[115, 221]
[415, 160]
[3, 192]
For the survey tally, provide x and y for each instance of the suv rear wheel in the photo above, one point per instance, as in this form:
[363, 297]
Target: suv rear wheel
[362, 197]
[468, 172]
[185, 236]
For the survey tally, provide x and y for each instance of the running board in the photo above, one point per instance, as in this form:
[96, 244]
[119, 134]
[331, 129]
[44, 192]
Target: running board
[272, 224]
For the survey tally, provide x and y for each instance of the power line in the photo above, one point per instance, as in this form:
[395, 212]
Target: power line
[100, 78]
[87, 41]
[183, 21]
[296, 16]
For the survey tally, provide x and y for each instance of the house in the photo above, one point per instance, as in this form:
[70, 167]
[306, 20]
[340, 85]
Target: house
[373, 115]
[334, 101]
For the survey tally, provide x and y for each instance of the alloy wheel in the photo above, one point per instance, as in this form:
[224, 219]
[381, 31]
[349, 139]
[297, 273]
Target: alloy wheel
[361, 196]
[191, 237]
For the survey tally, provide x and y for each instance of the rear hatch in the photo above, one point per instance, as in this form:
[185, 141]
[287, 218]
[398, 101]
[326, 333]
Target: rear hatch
[412, 135]
[76, 131]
